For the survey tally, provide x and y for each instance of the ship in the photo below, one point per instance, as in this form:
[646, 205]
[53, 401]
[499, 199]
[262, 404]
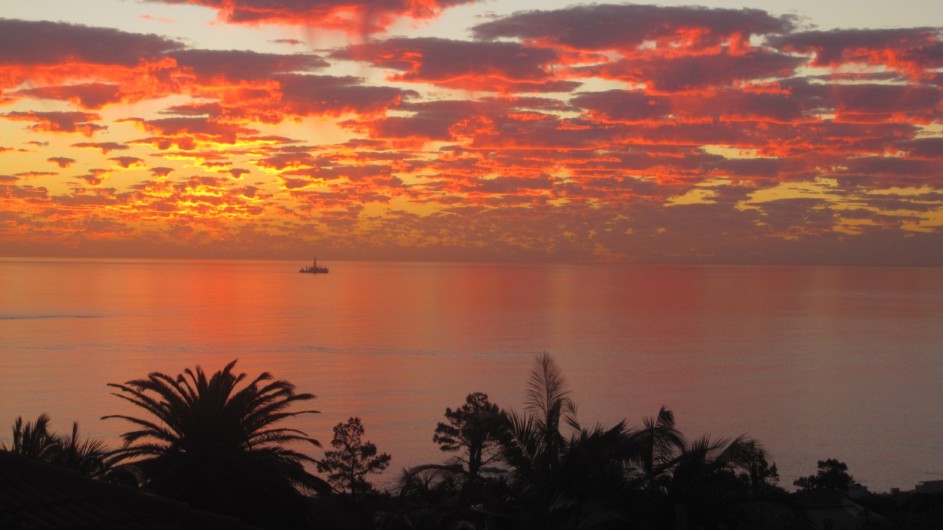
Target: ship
[314, 268]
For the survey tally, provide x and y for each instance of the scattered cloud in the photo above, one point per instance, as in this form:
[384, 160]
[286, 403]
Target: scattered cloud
[617, 132]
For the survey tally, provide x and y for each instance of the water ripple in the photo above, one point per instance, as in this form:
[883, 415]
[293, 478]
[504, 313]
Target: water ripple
[44, 317]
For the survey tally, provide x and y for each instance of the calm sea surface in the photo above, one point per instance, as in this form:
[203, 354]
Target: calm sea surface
[814, 362]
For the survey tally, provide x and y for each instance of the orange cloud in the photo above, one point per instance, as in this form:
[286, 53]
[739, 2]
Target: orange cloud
[601, 131]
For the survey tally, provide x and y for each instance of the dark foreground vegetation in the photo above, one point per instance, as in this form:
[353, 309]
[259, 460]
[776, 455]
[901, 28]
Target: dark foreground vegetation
[221, 443]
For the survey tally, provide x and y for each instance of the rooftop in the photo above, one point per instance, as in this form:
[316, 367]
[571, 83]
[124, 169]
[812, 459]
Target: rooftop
[39, 496]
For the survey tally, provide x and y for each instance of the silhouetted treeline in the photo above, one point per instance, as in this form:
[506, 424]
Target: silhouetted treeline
[220, 443]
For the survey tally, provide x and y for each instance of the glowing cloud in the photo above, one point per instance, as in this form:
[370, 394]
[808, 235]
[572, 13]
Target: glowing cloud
[597, 132]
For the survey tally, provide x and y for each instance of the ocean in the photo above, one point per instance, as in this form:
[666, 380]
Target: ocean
[814, 362]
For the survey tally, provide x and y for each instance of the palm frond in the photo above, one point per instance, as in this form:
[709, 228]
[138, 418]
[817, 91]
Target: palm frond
[547, 394]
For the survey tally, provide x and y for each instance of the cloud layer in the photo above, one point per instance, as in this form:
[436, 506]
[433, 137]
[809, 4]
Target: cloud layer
[598, 132]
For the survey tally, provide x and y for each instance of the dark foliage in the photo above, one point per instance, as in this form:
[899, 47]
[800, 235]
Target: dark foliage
[218, 446]
[214, 445]
[832, 475]
[474, 428]
[35, 441]
[352, 459]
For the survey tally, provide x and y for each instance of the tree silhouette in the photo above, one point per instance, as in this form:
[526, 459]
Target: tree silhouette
[352, 459]
[832, 475]
[475, 427]
[548, 402]
[35, 441]
[654, 449]
[757, 471]
[533, 444]
[554, 479]
[207, 442]
[648, 477]
[705, 485]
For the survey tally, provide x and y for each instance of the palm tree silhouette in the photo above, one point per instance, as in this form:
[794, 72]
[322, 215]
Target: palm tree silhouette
[87, 456]
[34, 440]
[654, 449]
[706, 480]
[555, 479]
[217, 446]
[533, 443]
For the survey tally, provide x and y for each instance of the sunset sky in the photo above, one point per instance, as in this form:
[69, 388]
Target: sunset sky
[804, 132]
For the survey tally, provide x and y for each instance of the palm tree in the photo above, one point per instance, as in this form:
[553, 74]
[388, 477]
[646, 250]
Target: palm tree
[217, 446]
[655, 447]
[548, 402]
[447, 496]
[533, 442]
[558, 482]
[704, 484]
[35, 440]
[88, 456]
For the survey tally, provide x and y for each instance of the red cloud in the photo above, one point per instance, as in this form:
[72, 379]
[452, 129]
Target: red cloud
[59, 122]
[88, 96]
[95, 177]
[128, 161]
[872, 102]
[914, 51]
[187, 130]
[625, 106]
[923, 147]
[430, 121]
[244, 65]
[696, 71]
[626, 27]
[350, 16]
[61, 161]
[727, 105]
[306, 95]
[110, 65]
[52, 43]
[717, 108]
[198, 198]
[447, 119]
[161, 171]
[486, 66]
[106, 147]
